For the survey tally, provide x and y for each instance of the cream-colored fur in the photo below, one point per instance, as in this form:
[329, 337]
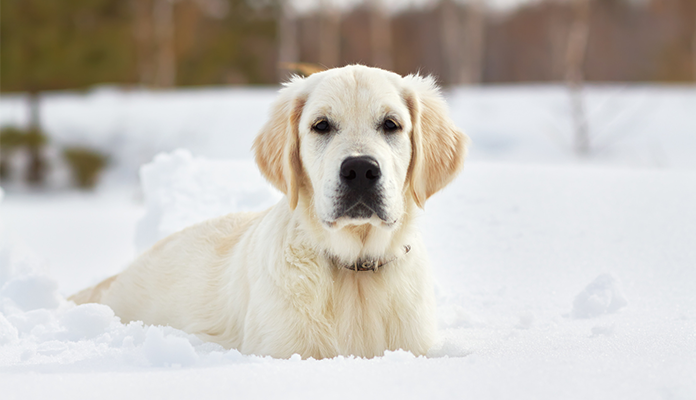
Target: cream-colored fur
[273, 283]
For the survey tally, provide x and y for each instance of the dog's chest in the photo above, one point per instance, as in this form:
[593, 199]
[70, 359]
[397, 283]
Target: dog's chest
[344, 312]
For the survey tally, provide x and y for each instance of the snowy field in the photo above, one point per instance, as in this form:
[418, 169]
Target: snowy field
[558, 277]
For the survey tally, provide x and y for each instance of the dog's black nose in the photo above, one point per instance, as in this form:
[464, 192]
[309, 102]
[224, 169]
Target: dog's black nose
[360, 173]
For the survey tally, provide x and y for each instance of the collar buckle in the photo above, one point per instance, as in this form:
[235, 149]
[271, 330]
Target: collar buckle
[371, 264]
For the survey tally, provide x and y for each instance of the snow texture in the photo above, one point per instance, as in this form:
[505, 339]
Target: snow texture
[180, 191]
[555, 278]
[602, 296]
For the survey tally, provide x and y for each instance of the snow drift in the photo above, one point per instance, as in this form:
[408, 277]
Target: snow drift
[180, 191]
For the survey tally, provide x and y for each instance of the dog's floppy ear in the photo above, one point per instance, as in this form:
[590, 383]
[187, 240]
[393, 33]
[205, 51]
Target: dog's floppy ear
[438, 146]
[277, 146]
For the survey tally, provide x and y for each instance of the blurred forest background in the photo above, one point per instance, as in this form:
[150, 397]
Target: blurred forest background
[48, 45]
[68, 44]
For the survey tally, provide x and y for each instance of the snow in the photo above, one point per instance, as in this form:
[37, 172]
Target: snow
[556, 277]
[603, 295]
[637, 126]
[77, 238]
[132, 126]
[180, 191]
[31, 293]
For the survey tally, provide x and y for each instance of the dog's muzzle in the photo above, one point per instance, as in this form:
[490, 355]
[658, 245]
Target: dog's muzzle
[360, 194]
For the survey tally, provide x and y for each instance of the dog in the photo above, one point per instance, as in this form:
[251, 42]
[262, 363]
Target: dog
[335, 268]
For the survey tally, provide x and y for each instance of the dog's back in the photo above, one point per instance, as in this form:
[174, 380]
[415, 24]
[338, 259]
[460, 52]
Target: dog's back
[193, 261]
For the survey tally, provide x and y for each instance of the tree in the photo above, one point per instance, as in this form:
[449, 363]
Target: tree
[288, 46]
[463, 39]
[475, 39]
[450, 37]
[234, 42]
[380, 36]
[576, 51]
[143, 35]
[58, 45]
[330, 40]
[50, 45]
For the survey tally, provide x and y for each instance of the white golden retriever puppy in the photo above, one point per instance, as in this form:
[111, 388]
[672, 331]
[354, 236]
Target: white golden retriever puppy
[337, 268]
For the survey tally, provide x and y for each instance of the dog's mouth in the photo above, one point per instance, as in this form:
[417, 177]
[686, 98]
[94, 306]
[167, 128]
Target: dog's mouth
[360, 210]
[360, 213]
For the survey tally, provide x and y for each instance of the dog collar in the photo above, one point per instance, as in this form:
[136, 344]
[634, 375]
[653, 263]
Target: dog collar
[370, 264]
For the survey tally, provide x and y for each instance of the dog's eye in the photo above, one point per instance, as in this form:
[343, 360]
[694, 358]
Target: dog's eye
[390, 125]
[322, 126]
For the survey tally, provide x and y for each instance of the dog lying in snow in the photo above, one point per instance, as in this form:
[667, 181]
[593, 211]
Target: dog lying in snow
[336, 268]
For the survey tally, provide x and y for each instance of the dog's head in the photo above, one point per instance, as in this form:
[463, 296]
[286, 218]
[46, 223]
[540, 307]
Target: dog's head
[357, 144]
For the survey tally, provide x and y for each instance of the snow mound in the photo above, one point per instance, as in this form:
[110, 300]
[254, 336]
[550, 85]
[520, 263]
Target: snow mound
[31, 292]
[8, 333]
[54, 332]
[181, 190]
[602, 296]
[451, 344]
[38, 326]
[168, 350]
[86, 321]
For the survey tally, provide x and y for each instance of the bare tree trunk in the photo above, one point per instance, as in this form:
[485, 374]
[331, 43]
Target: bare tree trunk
[142, 32]
[288, 49]
[471, 71]
[34, 103]
[330, 40]
[36, 171]
[380, 36]
[557, 35]
[450, 37]
[33, 139]
[163, 21]
[577, 50]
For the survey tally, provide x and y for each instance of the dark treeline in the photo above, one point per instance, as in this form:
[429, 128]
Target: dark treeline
[627, 41]
[48, 44]
[652, 42]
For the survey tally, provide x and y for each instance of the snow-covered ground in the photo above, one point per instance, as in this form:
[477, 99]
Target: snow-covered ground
[558, 278]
